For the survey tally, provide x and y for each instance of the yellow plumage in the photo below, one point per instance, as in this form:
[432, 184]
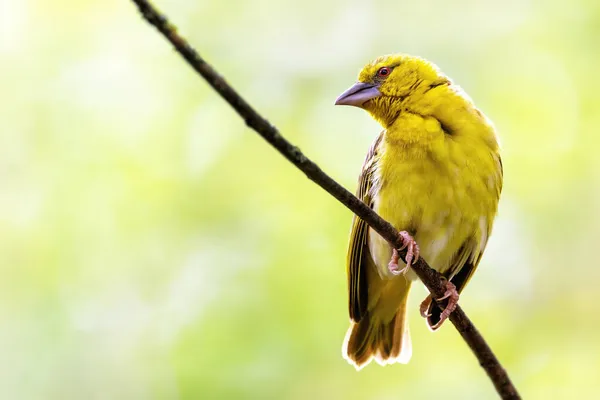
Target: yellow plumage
[435, 172]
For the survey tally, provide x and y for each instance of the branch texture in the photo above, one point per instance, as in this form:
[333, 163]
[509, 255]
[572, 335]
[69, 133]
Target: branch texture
[431, 278]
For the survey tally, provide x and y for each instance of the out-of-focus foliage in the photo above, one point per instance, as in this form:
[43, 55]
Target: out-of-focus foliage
[151, 246]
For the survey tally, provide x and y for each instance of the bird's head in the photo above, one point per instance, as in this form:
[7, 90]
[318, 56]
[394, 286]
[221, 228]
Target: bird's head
[390, 84]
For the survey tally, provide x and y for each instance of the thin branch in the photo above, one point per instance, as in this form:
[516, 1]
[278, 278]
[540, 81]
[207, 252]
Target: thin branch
[431, 278]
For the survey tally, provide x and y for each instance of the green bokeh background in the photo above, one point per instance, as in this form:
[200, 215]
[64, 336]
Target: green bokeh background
[152, 247]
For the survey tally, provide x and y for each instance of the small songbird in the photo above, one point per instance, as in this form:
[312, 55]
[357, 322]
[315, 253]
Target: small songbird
[435, 174]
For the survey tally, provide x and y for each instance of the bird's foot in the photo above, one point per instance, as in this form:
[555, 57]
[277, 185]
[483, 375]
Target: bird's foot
[412, 254]
[452, 295]
[393, 264]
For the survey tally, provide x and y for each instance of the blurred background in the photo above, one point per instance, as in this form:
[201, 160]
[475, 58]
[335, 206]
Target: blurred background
[152, 247]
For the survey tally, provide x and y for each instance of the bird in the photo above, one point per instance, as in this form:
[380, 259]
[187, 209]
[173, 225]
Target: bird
[435, 174]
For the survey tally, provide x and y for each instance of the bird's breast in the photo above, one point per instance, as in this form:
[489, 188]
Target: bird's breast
[434, 199]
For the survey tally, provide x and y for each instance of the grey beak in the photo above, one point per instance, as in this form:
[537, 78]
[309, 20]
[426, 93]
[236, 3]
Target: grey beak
[358, 94]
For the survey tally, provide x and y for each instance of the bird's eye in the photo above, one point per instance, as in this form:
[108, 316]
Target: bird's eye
[383, 72]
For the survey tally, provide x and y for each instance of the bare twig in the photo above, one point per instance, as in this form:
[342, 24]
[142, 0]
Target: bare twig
[431, 278]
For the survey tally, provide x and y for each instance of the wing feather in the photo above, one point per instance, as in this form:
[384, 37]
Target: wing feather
[358, 246]
[467, 258]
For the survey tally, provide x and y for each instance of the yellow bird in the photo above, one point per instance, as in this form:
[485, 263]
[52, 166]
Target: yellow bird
[435, 173]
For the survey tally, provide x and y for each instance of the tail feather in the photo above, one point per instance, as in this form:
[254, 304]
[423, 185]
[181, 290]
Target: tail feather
[359, 345]
[386, 340]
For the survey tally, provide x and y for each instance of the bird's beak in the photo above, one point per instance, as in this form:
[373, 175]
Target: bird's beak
[358, 94]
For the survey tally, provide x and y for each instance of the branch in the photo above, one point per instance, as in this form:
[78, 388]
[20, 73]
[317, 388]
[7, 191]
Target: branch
[431, 278]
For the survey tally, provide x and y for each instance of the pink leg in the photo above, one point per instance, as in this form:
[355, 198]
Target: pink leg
[412, 254]
[393, 264]
[452, 296]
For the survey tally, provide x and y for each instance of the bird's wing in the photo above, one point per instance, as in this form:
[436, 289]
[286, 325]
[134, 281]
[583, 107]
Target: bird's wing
[358, 246]
[467, 258]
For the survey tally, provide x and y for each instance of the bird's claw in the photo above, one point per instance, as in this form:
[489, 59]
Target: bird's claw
[412, 254]
[393, 264]
[452, 295]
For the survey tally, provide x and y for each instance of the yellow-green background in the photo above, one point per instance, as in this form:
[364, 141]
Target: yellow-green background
[152, 247]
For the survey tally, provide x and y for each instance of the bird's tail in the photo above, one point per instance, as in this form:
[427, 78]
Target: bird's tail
[382, 333]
